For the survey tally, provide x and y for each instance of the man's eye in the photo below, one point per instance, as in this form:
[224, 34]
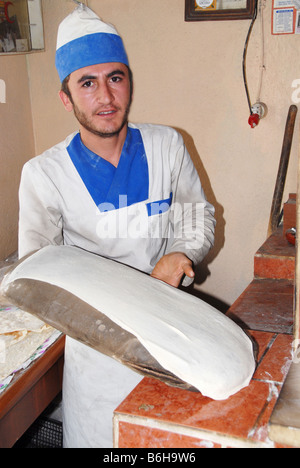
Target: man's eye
[87, 84]
[116, 79]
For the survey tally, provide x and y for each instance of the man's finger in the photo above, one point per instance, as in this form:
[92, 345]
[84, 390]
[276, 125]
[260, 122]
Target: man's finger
[188, 270]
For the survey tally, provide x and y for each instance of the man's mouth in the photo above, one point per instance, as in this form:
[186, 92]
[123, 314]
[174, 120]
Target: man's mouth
[107, 112]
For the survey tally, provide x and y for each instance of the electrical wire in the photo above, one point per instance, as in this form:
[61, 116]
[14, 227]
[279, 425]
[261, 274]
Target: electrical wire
[262, 66]
[245, 56]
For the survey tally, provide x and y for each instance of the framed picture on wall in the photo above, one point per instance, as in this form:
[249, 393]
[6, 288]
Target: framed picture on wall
[213, 10]
[21, 26]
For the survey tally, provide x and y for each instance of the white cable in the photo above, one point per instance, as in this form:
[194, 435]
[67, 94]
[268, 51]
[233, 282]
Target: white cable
[262, 66]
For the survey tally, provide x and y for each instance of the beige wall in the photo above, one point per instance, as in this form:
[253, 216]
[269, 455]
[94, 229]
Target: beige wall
[189, 75]
[16, 145]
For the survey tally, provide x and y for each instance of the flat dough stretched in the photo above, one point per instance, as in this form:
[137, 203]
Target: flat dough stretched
[185, 335]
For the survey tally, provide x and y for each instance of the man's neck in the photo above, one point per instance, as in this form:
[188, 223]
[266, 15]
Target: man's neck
[109, 148]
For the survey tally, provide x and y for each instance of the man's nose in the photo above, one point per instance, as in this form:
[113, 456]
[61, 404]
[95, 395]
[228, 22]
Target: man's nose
[105, 95]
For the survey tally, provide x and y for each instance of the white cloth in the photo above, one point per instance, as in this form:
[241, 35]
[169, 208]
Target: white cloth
[81, 23]
[91, 393]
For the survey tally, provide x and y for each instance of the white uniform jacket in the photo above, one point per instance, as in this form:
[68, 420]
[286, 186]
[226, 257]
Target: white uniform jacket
[150, 205]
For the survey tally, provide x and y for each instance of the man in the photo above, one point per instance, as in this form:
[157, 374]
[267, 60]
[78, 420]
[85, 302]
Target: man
[123, 191]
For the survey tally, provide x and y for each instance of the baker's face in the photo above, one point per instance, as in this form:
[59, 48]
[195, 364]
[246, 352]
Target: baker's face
[100, 98]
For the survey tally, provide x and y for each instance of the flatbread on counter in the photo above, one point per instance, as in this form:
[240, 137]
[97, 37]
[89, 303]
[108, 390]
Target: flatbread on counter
[14, 319]
[14, 355]
[21, 333]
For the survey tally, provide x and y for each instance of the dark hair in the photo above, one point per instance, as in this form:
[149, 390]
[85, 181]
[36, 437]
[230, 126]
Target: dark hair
[66, 90]
[65, 87]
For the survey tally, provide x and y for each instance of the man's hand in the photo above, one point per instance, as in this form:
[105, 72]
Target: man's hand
[171, 268]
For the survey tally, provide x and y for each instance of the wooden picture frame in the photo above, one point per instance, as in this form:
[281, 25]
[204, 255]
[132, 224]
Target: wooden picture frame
[194, 12]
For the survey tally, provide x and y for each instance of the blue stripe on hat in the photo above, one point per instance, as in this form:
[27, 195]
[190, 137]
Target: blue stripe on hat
[89, 50]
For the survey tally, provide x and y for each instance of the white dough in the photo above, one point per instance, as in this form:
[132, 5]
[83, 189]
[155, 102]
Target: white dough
[185, 335]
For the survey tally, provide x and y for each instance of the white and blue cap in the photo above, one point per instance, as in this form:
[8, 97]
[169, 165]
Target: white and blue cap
[83, 39]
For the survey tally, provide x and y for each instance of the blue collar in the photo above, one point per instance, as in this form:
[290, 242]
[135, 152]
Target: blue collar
[105, 182]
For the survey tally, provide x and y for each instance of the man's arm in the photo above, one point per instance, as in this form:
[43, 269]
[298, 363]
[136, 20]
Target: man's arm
[193, 223]
[39, 223]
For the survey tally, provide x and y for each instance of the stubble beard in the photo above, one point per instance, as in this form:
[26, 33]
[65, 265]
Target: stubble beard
[86, 123]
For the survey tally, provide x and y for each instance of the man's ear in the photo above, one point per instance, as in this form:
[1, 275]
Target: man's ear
[66, 101]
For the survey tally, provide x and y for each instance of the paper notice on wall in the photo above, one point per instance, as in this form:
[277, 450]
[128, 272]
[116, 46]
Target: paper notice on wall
[283, 20]
[285, 17]
[231, 4]
[284, 3]
[297, 26]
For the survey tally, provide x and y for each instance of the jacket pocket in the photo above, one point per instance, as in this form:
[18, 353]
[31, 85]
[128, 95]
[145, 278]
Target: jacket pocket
[159, 206]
